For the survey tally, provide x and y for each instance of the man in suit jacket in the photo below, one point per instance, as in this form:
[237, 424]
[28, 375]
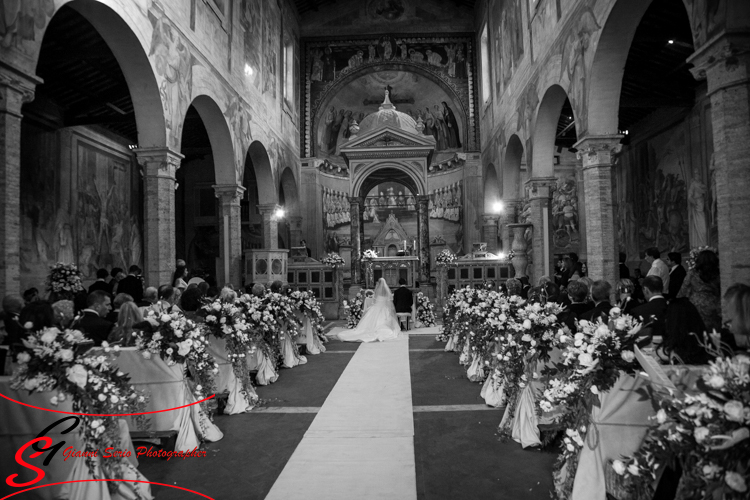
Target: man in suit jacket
[653, 312]
[624, 271]
[600, 291]
[92, 323]
[577, 293]
[101, 281]
[131, 284]
[402, 298]
[677, 273]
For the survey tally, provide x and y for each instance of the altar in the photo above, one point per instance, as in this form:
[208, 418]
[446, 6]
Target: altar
[392, 269]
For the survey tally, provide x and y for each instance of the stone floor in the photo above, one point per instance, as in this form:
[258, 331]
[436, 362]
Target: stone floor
[394, 420]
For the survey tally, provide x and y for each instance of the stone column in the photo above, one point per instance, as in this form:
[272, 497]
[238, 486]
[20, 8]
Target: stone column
[540, 196]
[724, 61]
[507, 216]
[270, 225]
[295, 230]
[473, 188]
[230, 232]
[159, 168]
[490, 230]
[355, 210]
[16, 88]
[423, 231]
[597, 155]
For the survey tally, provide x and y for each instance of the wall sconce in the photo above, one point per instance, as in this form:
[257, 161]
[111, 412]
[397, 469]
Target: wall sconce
[279, 213]
[498, 207]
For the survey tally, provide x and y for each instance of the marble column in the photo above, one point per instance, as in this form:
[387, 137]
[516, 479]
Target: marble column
[724, 61]
[270, 225]
[159, 168]
[507, 216]
[423, 231]
[230, 232]
[356, 224]
[16, 88]
[295, 230]
[597, 155]
[489, 231]
[540, 196]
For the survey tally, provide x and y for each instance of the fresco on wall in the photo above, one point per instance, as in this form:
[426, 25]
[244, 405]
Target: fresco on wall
[575, 51]
[707, 18]
[652, 195]
[250, 19]
[413, 94]
[271, 33]
[174, 63]
[508, 40]
[98, 227]
[565, 221]
[20, 20]
[422, 73]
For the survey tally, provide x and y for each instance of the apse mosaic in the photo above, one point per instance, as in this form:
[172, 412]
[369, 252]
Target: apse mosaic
[427, 77]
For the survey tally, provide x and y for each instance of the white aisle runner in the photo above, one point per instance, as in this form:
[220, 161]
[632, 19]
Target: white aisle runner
[361, 443]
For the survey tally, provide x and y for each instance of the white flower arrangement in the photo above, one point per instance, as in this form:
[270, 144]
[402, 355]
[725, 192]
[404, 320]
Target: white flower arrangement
[64, 278]
[333, 260]
[369, 254]
[445, 258]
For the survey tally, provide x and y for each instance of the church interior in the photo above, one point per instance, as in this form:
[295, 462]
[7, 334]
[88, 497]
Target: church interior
[326, 144]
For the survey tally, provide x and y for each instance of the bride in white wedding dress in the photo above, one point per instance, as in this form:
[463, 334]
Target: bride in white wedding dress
[378, 323]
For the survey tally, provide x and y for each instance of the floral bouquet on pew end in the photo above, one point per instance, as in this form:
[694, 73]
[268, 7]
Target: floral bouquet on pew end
[527, 333]
[592, 360]
[226, 320]
[425, 311]
[707, 434]
[309, 306]
[262, 322]
[64, 280]
[53, 360]
[177, 339]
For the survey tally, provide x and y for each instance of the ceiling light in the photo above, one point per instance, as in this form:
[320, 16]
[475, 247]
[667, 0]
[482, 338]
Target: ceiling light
[497, 207]
[279, 213]
[670, 42]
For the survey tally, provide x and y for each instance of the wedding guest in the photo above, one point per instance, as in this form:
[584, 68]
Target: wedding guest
[676, 273]
[93, 323]
[176, 304]
[600, 291]
[303, 243]
[577, 265]
[131, 284]
[258, 290]
[526, 286]
[31, 295]
[552, 293]
[195, 281]
[567, 271]
[212, 292]
[122, 332]
[589, 283]
[35, 316]
[403, 298]
[150, 296]
[638, 284]
[652, 313]
[166, 299]
[703, 288]
[683, 327]
[625, 300]
[101, 281]
[117, 274]
[624, 271]
[180, 276]
[12, 307]
[577, 293]
[120, 299]
[191, 302]
[737, 319]
[276, 286]
[203, 287]
[64, 313]
[228, 295]
[658, 267]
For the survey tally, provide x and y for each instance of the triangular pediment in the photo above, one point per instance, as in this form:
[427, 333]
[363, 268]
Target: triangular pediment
[389, 137]
[391, 232]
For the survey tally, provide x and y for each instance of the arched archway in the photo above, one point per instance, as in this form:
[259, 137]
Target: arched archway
[545, 132]
[290, 228]
[220, 138]
[373, 174]
[512, 168]
[257, 158]
[80, 194]
[136, 68]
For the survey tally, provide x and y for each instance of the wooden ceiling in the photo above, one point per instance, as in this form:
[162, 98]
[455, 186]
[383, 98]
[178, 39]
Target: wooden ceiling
[304, 6]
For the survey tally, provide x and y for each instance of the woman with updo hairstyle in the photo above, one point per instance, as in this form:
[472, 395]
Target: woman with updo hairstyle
[514, 287]
[703, 289]
[625, 300]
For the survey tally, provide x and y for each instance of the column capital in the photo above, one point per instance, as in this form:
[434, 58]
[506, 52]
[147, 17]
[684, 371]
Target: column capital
[727, 56]
[16, 88]
[598, 150]
[229, 193]
[541, 187]
[160, 162]
[268, 208]
[490, 219]
[358, 200]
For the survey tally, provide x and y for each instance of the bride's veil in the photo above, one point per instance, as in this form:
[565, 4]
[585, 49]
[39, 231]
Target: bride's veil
[382, 290]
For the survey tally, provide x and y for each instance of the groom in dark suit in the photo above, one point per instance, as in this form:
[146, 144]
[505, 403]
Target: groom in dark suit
[402, 298]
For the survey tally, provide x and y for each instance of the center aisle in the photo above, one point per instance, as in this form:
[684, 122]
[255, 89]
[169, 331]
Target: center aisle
[361, 443]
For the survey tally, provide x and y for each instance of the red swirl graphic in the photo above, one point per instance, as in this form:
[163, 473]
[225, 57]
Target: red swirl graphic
[105, 414]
